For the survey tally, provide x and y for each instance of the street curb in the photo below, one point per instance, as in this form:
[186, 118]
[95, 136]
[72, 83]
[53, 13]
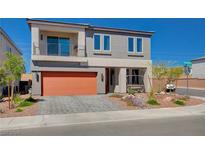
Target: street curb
[97, 117]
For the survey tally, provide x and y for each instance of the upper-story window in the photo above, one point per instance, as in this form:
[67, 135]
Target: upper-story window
[97, 42]
[107, 43]
[139, 44]
[135, 45]
[58, 46]
[130, 44]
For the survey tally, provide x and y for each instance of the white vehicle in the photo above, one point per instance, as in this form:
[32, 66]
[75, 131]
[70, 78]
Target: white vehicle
[170, 87]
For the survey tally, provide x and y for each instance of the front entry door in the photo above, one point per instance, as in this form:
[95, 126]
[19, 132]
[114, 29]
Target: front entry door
[107, 83]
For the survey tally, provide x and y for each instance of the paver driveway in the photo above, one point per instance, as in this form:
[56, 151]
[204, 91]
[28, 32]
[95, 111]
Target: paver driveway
[76, 104]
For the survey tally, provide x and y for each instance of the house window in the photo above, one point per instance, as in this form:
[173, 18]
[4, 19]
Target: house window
[106, 42]
[130, 44]
[58, 46]
[97, 42]
[139, 44]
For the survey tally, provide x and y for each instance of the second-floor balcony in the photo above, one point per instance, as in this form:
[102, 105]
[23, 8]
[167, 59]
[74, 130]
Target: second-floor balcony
[65, 48]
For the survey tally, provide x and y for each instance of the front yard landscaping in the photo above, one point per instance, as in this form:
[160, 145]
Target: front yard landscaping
[148, 101]
[24, 105]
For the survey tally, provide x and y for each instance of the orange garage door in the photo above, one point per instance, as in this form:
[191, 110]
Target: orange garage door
[68, 83]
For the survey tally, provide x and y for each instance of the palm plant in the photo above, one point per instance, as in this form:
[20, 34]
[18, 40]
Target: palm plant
[14, 67]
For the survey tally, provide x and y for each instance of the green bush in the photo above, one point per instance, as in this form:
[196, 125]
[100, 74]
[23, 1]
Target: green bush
[17, 99]
[1, 97]
[19, 109]
[179, 102]
[30, 99]
[25, 103]
[153, 101]
[130, 91]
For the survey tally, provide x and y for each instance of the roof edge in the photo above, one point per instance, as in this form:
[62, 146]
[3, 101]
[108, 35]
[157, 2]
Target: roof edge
[10, 40]
[122, 30]
[200, 58]
[38, 21]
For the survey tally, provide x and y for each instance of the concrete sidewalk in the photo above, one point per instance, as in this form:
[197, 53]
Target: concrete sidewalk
[97, 117]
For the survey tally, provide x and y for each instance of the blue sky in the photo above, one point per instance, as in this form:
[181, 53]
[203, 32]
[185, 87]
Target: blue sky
[175, 40]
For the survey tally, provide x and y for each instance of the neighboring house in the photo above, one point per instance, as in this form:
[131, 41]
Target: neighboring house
[25, 83]
[198, 67]
[80, 59]
[6, 45]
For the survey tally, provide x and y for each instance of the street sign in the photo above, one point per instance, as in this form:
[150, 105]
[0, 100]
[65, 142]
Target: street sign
[188, 64]
[187, 71]
[187, 68]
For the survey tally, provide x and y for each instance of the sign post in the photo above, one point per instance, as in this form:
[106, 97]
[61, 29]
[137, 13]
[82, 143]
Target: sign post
[187, 71]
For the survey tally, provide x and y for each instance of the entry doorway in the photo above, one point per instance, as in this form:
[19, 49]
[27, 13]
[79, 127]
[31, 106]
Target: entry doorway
[110, 80]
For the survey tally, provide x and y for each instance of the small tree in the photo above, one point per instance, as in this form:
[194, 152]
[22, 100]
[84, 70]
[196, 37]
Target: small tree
[2, 77]
[173, 74]
[2, 80]
[14, 67]
[159, 72]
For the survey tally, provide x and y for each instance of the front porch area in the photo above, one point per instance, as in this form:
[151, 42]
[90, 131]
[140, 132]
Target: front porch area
[118, 80]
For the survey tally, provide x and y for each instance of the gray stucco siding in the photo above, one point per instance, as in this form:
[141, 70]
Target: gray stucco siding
[198, 68]
[119, 45]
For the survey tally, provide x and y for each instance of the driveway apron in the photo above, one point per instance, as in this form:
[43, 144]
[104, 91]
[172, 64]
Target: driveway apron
[76, 104]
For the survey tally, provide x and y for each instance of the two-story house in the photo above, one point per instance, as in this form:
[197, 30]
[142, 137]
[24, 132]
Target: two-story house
[7, 45]
[80, 59]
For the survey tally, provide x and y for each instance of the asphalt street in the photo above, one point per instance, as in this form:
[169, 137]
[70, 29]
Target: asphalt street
[191, 92]
[175, 126]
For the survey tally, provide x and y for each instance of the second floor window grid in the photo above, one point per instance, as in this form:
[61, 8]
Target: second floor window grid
[97, 42]
[135, 45]
[58, 46]
[106, 42]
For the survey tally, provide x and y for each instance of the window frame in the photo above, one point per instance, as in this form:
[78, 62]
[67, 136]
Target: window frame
[139, 52]
[133, 44]
[104, 43]
[59, 45]
[97, 50]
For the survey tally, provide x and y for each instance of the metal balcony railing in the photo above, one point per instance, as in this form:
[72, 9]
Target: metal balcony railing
[57, 49]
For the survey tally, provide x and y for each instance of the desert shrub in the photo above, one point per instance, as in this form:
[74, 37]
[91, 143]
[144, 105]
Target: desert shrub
[25, 103]
[151, 94]
[152, 101]
[19, 109]
[138, 102]
[116, 95]
[17, 99]
[130, 91]
[129, 103]
[134, 101]
[179, 102]
[185, 98]
[30, 99]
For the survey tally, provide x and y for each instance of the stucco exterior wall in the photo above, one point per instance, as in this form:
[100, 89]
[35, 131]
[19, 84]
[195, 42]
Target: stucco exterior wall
[119, 46]
[6, 46]
[85, 59]
[198, 69]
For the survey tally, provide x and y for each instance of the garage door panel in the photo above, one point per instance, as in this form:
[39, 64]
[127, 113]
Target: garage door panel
[68, 83]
